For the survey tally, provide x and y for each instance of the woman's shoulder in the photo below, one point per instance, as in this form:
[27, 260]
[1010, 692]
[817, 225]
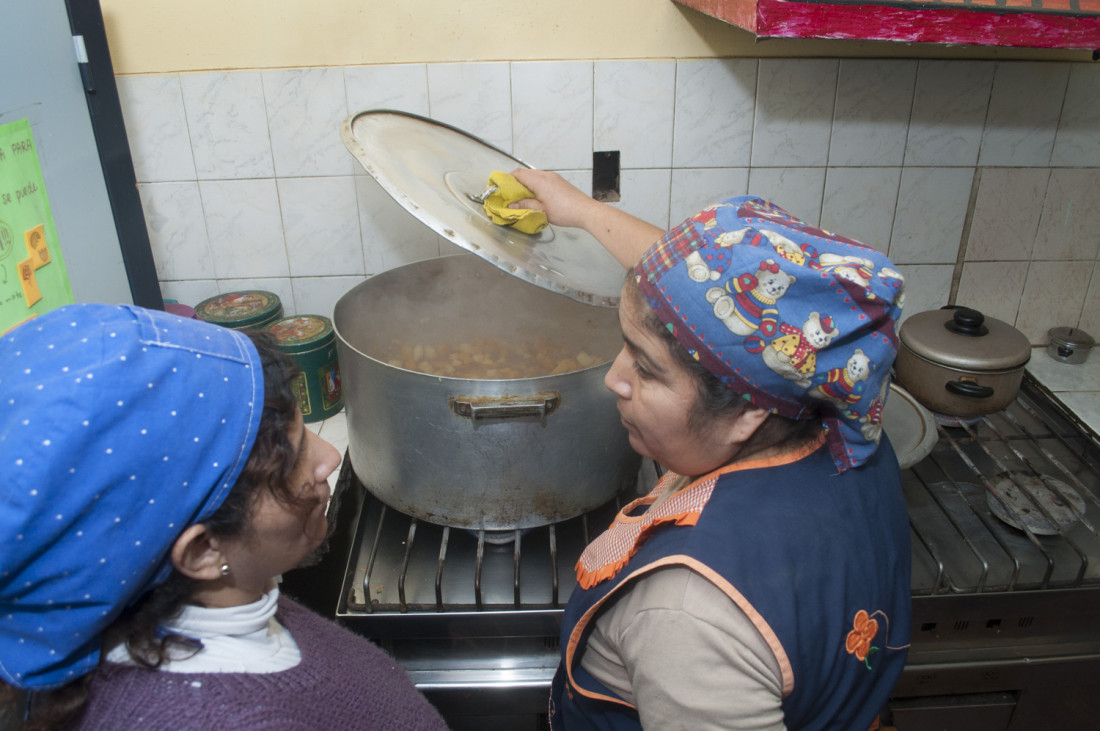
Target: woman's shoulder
[322, 638]
[336, 685]
[124, 697]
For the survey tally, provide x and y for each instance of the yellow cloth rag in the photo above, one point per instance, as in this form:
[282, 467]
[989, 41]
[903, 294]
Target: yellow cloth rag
[509, 190]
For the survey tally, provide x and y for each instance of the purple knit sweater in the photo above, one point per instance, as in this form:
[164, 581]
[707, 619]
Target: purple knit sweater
[342, 682]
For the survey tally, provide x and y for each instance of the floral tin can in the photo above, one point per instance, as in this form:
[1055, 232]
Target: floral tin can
[310, 341]
[252, 309]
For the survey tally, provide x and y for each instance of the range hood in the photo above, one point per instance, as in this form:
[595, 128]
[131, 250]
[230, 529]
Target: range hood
[1069, 24]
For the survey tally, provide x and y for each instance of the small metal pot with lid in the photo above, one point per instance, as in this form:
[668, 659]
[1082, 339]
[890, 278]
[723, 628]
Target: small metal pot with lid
[958, 362]
[1069, 345]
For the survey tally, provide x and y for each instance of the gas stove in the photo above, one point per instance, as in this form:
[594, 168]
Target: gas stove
[1005, 527]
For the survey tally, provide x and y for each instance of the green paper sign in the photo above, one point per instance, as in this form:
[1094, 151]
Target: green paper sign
[33, 279]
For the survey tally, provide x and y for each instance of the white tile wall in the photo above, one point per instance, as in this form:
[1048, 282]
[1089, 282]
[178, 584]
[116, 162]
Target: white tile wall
[321, 226]
[227, 122]
[1069, 227]
[859, 203]
[1077, 141]
[927, 287]
[693, 189]
[799, 190]
[981, 179]
[930, 215]
[871, 118]
[646, 194]
[714, 108]
[1090, 312]
[794, 112]
[993, 287]
[1006, 214]
[301, 105]
[555, 133]
[176, 224]
[633, 111]
[243, 221]
[1051, 296]
[160, 141]
[1023, 114]
[949, 107]
[402, 86]
[475, 97]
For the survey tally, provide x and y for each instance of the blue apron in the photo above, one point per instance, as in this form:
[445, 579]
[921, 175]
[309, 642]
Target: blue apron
[778, 535]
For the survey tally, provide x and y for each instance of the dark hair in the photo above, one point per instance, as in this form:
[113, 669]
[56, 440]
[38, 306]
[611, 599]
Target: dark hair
[716, 399]
[268, 468]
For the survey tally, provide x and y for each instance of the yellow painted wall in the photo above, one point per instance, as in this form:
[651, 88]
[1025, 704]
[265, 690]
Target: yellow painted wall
[158, 36]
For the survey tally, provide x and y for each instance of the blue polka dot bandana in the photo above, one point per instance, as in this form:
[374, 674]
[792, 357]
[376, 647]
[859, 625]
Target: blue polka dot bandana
[119, 427]
[798, 320]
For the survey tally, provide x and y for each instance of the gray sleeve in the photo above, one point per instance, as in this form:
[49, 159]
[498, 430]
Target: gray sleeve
[680, 650]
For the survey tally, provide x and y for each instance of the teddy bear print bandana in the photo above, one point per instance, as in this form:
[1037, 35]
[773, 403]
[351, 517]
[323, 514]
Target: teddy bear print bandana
[119, 427]
[798, 320]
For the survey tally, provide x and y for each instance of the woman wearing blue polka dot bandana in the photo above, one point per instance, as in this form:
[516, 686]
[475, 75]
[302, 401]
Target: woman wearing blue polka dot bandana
[158, 478]
[765, 582]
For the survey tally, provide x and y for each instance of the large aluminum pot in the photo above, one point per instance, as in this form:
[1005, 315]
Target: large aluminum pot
[960, 363]
[498, 454]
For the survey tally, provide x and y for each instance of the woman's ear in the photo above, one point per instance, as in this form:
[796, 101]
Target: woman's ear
[196, 555]
[747, 422]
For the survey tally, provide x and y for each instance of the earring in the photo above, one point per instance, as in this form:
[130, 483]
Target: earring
[225, 569]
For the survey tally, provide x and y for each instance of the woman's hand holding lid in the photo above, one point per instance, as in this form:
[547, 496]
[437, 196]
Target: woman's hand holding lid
[564, 204]
[623, 235]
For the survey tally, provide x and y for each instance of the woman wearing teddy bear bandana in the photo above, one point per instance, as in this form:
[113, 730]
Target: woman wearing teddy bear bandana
[157, 479]
[765, 582]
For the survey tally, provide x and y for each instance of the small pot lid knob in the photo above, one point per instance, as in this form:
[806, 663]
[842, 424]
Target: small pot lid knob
[968, 322]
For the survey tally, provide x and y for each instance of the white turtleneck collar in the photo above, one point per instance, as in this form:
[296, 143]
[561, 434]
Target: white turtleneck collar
[242, 639]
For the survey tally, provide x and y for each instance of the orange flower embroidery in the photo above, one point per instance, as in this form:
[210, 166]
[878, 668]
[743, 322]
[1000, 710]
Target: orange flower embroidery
[859, 639]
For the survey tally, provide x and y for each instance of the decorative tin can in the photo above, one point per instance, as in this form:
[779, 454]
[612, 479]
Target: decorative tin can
[310, 341]
[247, 310]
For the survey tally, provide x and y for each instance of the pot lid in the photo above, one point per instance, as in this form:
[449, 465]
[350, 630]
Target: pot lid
[960, 337]
[438, 173]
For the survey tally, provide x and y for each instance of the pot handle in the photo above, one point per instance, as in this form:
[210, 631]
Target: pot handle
[478, 408]
[969, 389]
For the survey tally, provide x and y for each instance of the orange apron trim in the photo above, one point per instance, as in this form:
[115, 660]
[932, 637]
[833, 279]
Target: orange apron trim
[604, 557]
[758, 621]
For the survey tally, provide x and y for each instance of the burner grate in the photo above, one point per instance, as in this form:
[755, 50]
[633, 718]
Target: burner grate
[406, 565]
[978, 522]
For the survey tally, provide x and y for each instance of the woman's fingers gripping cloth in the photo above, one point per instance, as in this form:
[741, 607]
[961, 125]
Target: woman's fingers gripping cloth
[508, 191]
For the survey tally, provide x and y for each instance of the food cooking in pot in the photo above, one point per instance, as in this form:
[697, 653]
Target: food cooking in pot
[765, 581]
[489, 358]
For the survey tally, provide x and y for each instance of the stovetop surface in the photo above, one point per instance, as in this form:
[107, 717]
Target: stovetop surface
[404, 575]
[1029, 465]
[405, 566]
